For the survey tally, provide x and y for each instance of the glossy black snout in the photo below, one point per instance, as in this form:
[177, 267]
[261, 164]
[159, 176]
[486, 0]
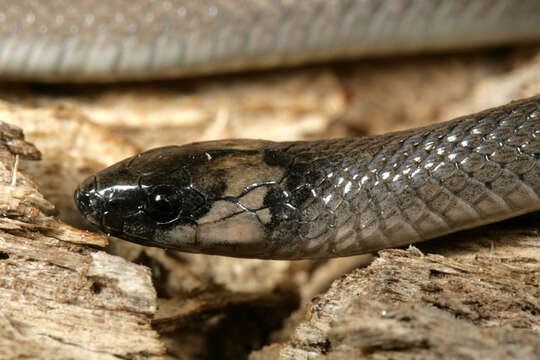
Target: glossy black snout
[88, 201]
[107, 204]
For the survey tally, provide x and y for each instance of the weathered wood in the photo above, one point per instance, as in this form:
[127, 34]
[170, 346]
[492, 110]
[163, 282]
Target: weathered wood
[60, 298]
[481, 300]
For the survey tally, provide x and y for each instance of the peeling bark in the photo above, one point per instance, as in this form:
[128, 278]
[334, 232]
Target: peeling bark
[59, 298]
[476, 297]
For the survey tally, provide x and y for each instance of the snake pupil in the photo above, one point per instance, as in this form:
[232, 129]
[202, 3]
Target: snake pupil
[163, 204]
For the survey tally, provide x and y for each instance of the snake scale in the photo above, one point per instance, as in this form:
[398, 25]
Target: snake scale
[293, 200]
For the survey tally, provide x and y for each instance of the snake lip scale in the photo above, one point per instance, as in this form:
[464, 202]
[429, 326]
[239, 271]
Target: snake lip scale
[327, 198]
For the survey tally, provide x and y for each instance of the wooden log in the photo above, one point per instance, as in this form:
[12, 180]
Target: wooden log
[60, 298]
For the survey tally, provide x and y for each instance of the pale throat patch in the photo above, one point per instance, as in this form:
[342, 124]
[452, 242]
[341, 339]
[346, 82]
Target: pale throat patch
[179, 236]
[242, 229]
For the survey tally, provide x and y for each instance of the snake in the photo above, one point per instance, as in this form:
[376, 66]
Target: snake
[326, 198]
[288, 200]
[115, 40]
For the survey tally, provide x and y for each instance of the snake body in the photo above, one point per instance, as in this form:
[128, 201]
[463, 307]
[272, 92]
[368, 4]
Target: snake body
[252, 198]
[86, 40]
[293, 200]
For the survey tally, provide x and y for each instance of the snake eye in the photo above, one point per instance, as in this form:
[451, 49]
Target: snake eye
[163, 204]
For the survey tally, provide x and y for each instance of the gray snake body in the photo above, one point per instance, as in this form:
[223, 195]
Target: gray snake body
[86, 40]
[252, 198]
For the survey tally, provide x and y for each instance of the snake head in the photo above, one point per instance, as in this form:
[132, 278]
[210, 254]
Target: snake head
[202, 197]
